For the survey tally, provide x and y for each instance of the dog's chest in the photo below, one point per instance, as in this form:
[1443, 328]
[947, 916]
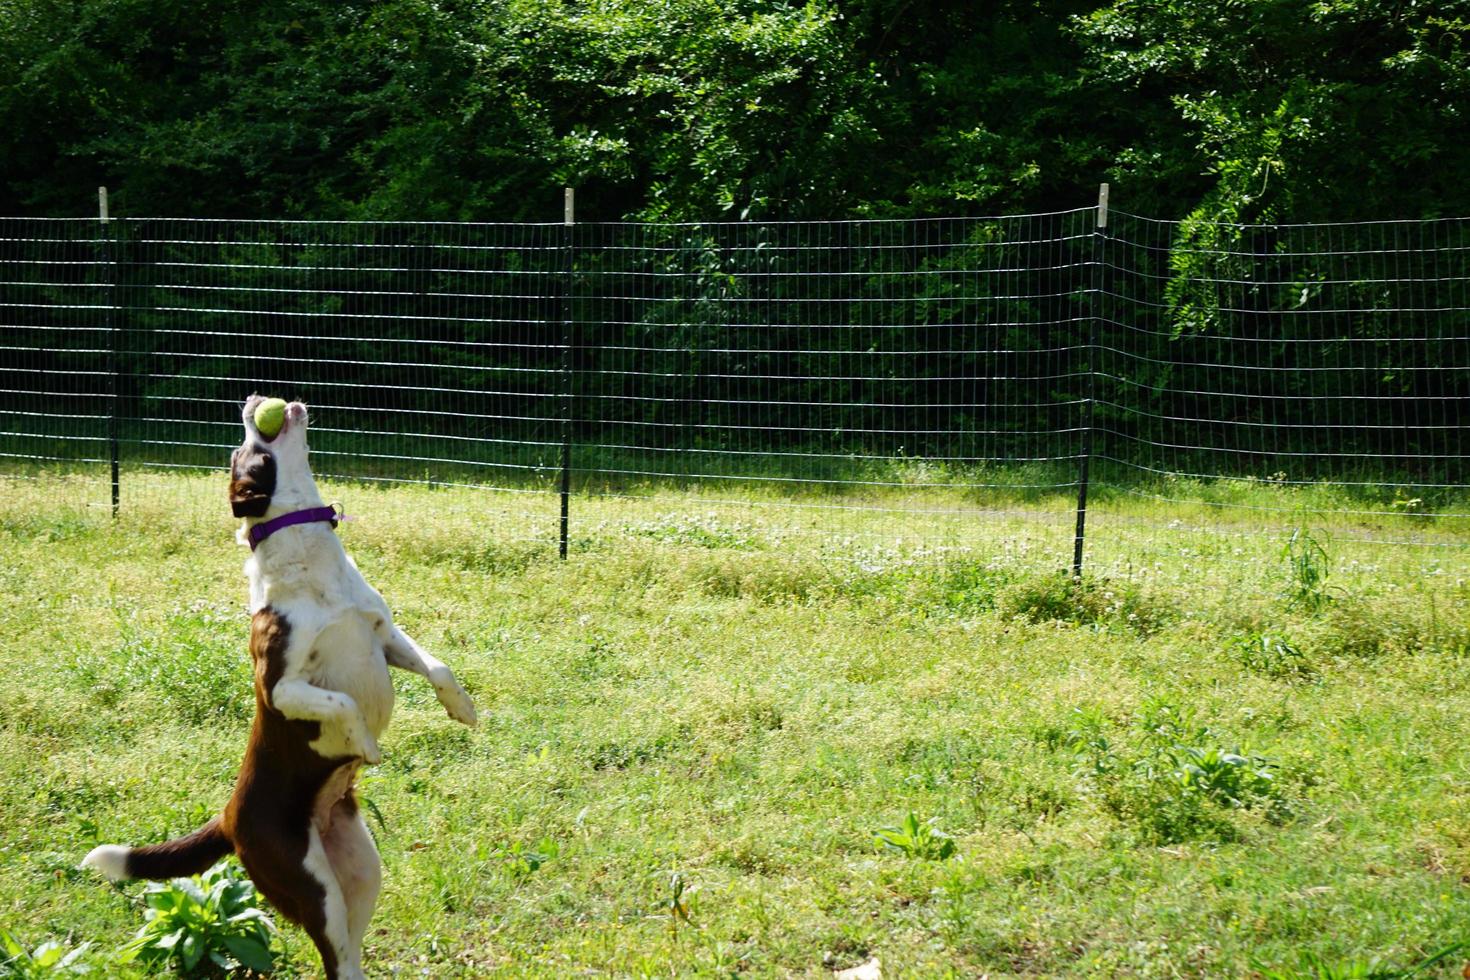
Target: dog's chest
[348, 657]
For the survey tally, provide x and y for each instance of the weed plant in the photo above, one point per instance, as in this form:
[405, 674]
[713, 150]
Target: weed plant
[50, 959]
[209, 924]
[917, 839]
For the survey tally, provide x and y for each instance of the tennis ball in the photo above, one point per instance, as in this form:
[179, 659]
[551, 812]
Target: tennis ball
[270, 415]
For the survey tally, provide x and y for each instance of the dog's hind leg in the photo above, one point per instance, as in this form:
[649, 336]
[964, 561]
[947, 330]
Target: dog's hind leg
[336, 926]
[307, 892]
[355, 862]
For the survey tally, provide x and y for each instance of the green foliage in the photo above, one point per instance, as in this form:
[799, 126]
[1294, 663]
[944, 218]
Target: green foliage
[1274, 656]
[687, 109]
[1307, 110]
[521, 861]
[703, 530]
[1226, 778]
[50, 959]
[1060, 598]
[1176, 782]
[678, 905]
[204, 924]
[409, 108]
[915, 839]
[1310, 568]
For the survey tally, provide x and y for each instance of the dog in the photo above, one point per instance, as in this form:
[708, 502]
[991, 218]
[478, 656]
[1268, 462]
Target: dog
[321, 640]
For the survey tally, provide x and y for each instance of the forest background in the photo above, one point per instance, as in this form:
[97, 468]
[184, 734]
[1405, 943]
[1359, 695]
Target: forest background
[1275, 110]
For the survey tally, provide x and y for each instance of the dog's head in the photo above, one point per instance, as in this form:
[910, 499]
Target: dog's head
[272, 472]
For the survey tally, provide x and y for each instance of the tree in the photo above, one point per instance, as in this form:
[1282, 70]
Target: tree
[1293, 111]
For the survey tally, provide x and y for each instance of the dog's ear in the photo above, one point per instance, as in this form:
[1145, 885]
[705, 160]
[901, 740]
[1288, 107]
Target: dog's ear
[252, 481]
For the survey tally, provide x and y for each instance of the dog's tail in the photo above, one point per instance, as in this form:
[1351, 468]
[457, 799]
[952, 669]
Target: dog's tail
[187, 855]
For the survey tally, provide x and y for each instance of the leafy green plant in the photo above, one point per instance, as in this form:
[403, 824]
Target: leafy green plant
[1274, 656]
[522, 861]
[1181, 791]
[1085, 737]
[203, 925]
[47, 960]
[1227, 778]
[677, 905]
[1178, 783]
[917, 840]
[1310, 569]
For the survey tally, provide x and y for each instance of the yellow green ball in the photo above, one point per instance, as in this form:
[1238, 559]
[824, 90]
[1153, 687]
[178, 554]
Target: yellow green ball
[270, 415]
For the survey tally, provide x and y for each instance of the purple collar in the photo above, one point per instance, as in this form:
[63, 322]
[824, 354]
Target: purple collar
[265, 529]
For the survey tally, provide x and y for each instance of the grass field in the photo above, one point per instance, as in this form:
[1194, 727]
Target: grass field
[1204, 761]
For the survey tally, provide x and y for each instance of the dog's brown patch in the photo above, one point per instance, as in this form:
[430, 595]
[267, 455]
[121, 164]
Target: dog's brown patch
[191, 854]
[269, 816]
[252, 481]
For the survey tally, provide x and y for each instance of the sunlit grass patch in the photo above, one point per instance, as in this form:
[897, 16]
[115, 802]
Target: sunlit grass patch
[695, 729]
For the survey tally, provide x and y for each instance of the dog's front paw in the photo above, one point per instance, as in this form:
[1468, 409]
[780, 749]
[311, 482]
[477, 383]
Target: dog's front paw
[458, 704]
[371, 754]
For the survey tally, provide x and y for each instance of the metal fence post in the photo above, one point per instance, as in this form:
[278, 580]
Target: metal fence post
[1099, 239]
[567, 240]
[108, 240]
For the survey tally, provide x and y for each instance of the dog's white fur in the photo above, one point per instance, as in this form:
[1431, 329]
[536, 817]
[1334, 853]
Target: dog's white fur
[110, 859]
[342, 632]
[334, 672]
[342, 641]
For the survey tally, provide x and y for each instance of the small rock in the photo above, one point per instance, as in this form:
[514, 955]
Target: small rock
[871, 970]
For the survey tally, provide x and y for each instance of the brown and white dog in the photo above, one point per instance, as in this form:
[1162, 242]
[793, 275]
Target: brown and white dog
[322, 641]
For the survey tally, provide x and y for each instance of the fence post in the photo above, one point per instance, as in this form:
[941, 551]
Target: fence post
[109, 265]
[568, 222]
[1099, 239]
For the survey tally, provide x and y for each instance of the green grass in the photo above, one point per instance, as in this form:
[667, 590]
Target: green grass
[723, 737]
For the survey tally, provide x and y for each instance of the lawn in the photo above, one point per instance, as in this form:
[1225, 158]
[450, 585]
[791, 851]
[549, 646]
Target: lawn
[1204, 761]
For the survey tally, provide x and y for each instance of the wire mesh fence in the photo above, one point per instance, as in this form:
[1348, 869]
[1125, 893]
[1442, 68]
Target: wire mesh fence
[1260, 382]
[879, 391]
